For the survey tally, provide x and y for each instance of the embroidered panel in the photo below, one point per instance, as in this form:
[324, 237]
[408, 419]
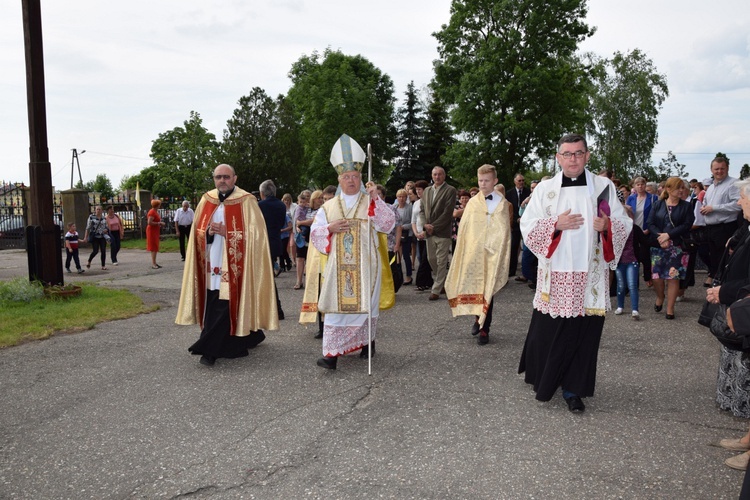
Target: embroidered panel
[466, 299]
[348, 249]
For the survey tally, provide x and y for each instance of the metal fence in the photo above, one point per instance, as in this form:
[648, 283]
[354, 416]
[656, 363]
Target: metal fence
[14, 213]
[13, 216]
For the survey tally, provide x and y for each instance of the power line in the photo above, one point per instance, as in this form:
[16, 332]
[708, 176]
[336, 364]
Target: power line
[121, 156]
[683, 153]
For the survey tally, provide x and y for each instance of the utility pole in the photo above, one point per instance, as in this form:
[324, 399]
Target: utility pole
[42, 234]
[74, 159]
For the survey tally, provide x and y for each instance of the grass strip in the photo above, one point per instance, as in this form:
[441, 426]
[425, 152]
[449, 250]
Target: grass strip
[41, 318]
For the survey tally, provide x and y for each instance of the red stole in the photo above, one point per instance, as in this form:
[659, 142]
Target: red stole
[236, 242]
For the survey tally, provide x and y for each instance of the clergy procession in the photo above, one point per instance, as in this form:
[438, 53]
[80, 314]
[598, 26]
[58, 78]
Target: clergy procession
[574, 225]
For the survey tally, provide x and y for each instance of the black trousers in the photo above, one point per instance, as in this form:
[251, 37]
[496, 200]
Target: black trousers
[215, 339]
[718, 235]
[184, 236]
[488, 318]
[99, 245]
[515, 244]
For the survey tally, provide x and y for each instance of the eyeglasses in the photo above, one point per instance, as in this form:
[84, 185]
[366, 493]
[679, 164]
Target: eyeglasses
[348, 177]
[219, 177]
[568, 155]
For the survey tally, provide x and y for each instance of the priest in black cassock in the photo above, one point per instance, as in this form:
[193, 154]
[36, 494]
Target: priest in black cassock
[577, 228]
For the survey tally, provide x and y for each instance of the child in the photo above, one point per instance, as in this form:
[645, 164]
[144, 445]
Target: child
[71, 248]
[482, 259]
[627, 269]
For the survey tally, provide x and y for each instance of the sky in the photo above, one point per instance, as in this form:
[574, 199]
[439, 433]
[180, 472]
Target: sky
[119, 73]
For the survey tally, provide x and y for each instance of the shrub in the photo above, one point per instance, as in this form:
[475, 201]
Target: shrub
[20, 290]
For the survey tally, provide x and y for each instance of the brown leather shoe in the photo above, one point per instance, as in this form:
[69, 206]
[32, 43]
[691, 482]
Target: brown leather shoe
[434, 297]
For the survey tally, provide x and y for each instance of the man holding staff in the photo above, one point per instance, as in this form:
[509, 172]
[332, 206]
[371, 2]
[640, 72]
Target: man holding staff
[350, 230]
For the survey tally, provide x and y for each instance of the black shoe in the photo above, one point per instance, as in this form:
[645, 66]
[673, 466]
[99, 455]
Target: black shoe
[255, 338]
[483, 338]
[208, 360]
[670, 316]
[319, 335]
[475, 328]
[657, 308]
[532, 285]
[575, 404]
[281, 314]
[328, 362]
[364, 351]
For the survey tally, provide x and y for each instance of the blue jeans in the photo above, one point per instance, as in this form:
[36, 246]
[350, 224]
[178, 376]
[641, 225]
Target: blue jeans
[627, 279]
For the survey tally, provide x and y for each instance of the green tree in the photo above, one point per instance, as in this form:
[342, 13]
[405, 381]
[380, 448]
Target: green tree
[627, 96]
[745, 171]
[508, 69]
[262, 141]
[184, 158]
[409, 141]
[438, 137]
[248, 138]
[337, 94]
[288, 153]
[101, 184]
[668, 167]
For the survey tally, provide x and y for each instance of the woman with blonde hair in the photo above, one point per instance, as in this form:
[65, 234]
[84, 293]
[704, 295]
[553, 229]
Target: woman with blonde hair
[671, 217]
[305, 218]
[153, 230]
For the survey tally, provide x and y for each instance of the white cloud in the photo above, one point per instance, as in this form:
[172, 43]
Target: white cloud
[118, 74]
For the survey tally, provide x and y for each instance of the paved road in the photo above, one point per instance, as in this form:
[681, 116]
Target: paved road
[123, 411]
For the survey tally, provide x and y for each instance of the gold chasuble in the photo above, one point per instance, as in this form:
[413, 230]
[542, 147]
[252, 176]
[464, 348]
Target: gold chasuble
[479, 268]
[247, 280]
[347, 276]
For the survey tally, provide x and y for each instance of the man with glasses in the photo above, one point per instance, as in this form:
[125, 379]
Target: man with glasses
[577, 228]
[228, 284]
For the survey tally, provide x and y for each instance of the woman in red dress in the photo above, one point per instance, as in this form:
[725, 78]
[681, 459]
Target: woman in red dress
[153, 228]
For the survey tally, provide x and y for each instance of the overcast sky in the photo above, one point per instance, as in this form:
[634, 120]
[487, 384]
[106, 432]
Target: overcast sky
[119, 73]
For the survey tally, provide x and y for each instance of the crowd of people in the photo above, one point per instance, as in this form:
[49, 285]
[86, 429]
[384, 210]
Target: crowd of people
[579, 239]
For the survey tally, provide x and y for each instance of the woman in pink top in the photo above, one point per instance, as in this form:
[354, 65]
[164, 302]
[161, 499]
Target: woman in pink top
[116, 232]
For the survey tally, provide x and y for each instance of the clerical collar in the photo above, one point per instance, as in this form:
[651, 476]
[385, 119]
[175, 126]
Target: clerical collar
[574, 181]
[488, 197]
[223, 197]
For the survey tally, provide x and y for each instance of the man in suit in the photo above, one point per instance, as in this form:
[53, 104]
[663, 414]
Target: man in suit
[274, 213]
[516, 195]
[438, 202]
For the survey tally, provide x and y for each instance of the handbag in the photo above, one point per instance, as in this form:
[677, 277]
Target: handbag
[720, 329]
[299, 240]
[398, 274]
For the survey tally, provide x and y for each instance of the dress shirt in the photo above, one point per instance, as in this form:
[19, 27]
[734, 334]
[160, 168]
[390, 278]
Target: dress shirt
[184, 217]
[723, 197]
[492, 200]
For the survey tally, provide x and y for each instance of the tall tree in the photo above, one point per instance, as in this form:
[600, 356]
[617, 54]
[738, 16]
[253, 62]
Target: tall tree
[409, 141]
[288, 152]
[248, 139]
[183, 160]
[336, 94]
[668, 167]
[627, 96]
[508, 69]
[438, 137]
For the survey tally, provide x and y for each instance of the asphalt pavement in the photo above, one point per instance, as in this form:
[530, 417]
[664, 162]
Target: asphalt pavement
[124, 411]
